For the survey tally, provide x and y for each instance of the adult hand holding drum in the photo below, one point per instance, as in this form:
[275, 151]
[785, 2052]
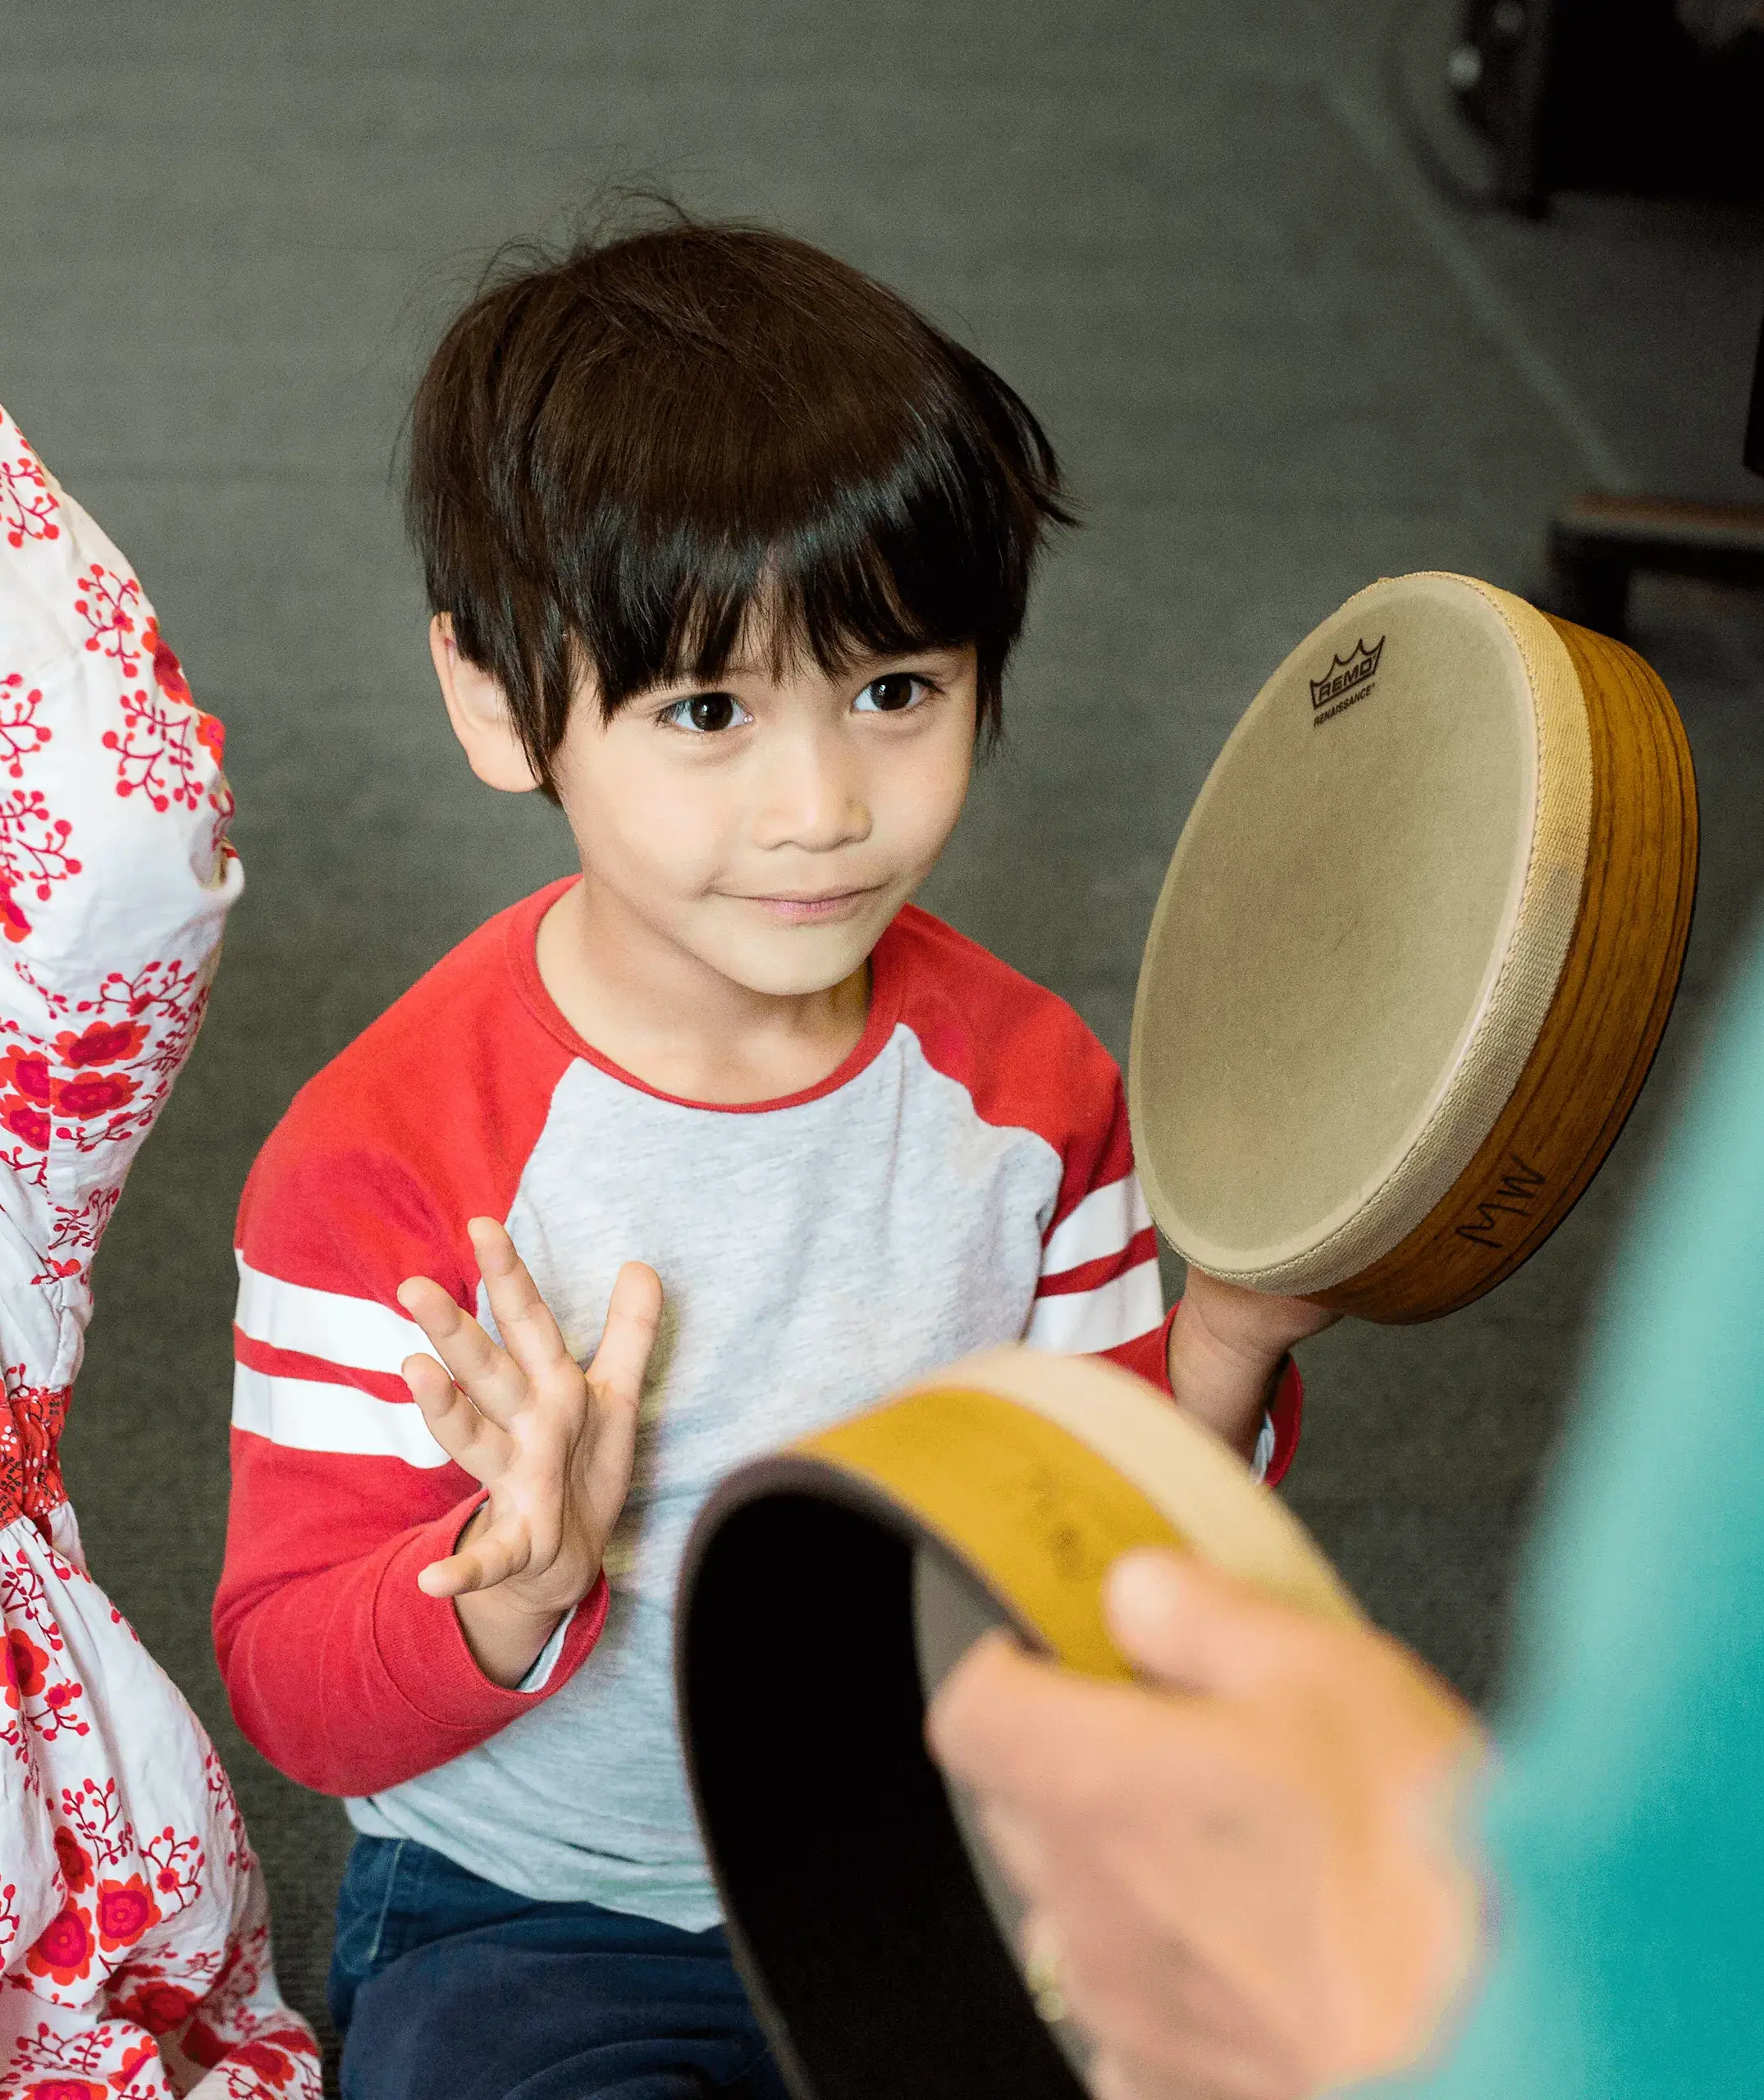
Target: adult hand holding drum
[1416, 947]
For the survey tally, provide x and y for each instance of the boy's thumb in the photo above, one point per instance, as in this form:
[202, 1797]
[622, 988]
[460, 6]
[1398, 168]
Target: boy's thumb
[1190, 1626]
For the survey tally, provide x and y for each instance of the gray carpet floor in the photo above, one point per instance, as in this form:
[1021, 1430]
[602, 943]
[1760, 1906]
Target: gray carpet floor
[1275, 363]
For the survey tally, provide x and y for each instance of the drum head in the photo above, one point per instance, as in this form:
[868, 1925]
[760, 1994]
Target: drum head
[1361, 932]
[826, 1592]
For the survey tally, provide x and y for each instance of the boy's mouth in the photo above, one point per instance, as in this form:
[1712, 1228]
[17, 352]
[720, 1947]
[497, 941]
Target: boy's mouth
[810, 909]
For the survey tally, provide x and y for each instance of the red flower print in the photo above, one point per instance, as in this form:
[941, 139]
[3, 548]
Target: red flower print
[202, 2045]
[22, 734]
[108, 609]
[124, 1911]
[26, 1072]
[13, 923]
[27, 510]
[76, 1865]
[103, 1043]
[66, 2088]
[25, 1122]
[97, 1095]
[271, 2063]
[168, 673]
[34, 842]
[65, 1949]
[25, 1664]
[157, 2006]
[211, 734]
[60, 1715]
[143, 2053]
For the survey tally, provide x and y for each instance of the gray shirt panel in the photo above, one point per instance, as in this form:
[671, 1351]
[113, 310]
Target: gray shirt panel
[813, 1257]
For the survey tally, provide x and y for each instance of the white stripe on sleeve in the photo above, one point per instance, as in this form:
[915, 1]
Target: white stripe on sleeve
[358, 1332]
[1080, 1323]
[1103, 1224]
[304, 1415]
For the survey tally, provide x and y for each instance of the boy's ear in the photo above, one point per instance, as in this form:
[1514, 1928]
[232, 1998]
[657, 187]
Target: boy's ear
[480, 713]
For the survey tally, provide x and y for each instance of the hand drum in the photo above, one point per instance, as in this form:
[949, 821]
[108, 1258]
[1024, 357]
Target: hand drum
[1414, 951]
[826, 1588]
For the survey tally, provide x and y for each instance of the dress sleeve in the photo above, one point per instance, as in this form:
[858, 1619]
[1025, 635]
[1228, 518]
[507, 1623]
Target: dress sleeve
[115, 877]
[1624, 1826]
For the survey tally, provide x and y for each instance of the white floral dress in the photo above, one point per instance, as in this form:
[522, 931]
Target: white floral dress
[134, 1933]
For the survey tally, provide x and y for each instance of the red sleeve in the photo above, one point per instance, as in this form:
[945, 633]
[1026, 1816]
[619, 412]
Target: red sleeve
[1147, 1356]
[339, 1669]
[1027, 1060]
[346, 1676]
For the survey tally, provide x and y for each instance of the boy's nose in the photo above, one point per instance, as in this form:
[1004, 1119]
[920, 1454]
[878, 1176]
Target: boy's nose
[814, 801]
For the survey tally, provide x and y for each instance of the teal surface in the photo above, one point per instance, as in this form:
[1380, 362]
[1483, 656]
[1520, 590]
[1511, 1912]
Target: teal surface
[1625, 1831]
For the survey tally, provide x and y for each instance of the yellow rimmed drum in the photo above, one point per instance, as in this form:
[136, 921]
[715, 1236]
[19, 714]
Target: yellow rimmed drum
[825, 1590]
[1414, 951]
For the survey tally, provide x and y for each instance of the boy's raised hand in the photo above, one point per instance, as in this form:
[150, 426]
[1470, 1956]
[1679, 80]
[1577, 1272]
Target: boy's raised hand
[552, 1444]
[1226, 1345]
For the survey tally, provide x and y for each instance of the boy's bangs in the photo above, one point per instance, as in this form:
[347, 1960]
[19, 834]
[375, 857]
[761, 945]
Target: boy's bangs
[840, 590]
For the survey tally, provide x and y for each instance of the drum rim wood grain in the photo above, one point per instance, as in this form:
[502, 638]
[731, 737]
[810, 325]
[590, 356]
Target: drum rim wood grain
[1584, 1039]
[1625, 958]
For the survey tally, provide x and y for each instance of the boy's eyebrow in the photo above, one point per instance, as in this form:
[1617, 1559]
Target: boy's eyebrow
[741, 668]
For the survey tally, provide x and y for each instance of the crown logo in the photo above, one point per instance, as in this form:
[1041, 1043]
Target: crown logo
[1346, 674]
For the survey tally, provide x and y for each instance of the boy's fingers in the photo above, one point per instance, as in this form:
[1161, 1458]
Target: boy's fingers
[490, 1376]
[534, 1337]
[1011, 1839]
[471, 1439]
[634, 1318]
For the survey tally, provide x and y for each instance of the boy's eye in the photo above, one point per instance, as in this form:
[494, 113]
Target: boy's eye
[891, 695]
[706, 712]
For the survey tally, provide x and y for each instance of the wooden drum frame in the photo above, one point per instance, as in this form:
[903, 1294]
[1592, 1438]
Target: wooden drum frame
[1628, 788]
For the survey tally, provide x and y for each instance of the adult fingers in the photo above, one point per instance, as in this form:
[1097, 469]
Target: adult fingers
[1008, 1723]
[1116, 2074]
[471, 1439]
[634, 1318]
[490, 1377]
[1195, 1629]
[1113, 2076]
[1013, 1841]
[530, 1333]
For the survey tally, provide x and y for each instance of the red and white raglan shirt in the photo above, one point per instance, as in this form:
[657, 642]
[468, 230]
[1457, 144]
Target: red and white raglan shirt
[964, 1178]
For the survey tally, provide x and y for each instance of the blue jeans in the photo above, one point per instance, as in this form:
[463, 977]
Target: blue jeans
[448, 1987]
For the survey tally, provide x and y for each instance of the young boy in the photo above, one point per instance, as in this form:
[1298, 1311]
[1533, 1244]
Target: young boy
[727, 548]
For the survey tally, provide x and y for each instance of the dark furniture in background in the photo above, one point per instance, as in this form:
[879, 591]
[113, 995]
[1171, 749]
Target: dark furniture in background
[1598, 542]
[1618, 96]
[1611, 95]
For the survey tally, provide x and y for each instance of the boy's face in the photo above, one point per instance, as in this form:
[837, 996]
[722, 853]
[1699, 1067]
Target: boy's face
[768, 825]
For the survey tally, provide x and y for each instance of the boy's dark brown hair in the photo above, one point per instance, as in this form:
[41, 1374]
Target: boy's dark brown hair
[620, 455]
